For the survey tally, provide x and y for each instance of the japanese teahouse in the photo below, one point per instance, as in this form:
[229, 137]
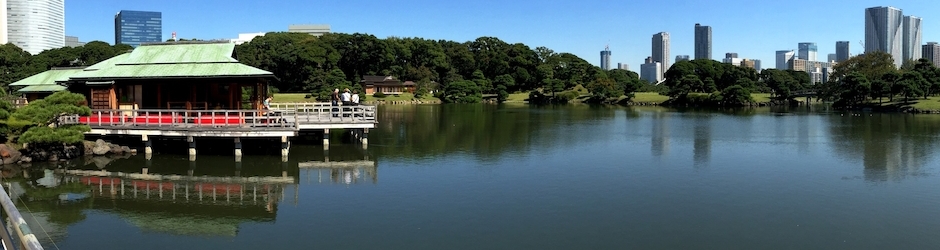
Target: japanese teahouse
[40, 85]
[192, 76]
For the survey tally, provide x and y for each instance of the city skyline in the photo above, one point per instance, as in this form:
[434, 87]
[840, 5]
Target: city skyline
[745, 27]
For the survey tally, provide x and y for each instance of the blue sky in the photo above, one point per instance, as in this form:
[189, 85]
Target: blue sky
[753, 29]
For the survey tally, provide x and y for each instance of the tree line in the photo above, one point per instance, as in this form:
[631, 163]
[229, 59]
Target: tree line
[455, 71]
[17, 64]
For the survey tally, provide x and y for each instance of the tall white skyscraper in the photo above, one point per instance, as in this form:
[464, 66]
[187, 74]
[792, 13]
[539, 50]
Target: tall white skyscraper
[807, 51]
[661, 50]
[912, 38]
[35, 25]
[784, 56]
[883, 32]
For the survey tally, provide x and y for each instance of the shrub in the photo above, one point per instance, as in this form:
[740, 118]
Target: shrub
[378, 95]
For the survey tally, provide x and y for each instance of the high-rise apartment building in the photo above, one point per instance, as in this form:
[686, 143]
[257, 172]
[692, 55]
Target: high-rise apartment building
[623, 66]
[34, 25]
[661, 50]
[783, 57]
[72, 41]
[883, 32]
[931, 51]
[842, 51]
[911, 39]
[312, 29]
[651, 71]
[138, 27]
[807, 51]
[703, 42]
[605, 58]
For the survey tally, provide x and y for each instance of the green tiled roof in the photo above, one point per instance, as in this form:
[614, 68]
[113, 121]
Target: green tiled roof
[110, 62]
[41, 88]
[174, 71]
[173, 61]
[182, 53]
[49, 77]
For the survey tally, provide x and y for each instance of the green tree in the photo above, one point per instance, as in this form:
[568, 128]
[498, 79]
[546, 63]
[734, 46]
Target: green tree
[604, 89]
[855, 89]
[734, 95]
[45, 113]
[503, 84]
[463, 92]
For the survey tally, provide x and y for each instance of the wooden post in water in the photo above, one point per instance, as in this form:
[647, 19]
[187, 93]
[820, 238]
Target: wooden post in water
[365, 138]
[192, 147]
[285, 147]
[238, 149]
[148, 146]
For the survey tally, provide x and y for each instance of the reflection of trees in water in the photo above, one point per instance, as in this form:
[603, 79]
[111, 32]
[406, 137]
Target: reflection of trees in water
[891, 146]
[489, 131]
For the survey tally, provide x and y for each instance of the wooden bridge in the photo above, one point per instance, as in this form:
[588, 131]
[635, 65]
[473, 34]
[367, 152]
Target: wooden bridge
[804, 93]
[283, 121]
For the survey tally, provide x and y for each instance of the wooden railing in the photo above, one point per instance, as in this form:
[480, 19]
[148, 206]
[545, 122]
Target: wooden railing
[182, 119]
[325, 113]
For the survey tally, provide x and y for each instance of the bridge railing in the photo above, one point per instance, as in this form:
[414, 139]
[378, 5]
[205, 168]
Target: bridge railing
[169, 119]
[326, 113]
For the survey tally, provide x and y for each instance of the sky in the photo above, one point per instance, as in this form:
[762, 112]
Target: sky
[753, 29]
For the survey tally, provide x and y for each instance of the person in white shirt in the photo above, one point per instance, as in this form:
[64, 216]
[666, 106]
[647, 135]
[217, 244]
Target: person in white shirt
[346, 97]
[355, 98]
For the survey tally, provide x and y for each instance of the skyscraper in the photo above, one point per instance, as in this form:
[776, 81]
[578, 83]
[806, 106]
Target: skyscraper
[623, 66]
[883, 32]
[680, 58]
[137, 27]
[842, 51]
[703, 42]
[35, 25]
[931, 51]
[911, 48]
[605, 58]
[661, 50]
[831, 58]
[783, 58]
[731, 55]
[651, 71]
[807, 51]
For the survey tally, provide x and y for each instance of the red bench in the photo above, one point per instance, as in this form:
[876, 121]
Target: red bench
[103, 119]
[218, 120]
[157, 119]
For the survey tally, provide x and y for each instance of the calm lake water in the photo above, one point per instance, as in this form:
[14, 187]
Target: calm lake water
[523, 177]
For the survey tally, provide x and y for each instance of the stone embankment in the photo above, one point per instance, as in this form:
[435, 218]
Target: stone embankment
[10, 155]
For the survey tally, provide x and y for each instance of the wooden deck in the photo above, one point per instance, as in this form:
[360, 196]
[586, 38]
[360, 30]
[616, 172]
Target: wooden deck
[285, 119]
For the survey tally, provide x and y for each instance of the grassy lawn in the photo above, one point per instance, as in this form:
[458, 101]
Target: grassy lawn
[518, 97]
[291, 97]
[760, 97]
[649, 97]
[931, 103]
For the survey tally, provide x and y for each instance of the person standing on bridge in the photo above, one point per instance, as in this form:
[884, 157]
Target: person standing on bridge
[335, 97]
[355, 98]
[346, 97]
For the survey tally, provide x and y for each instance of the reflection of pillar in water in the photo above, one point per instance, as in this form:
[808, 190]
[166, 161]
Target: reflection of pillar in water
[347, 176]
[238, 167]
[192, 168]
[659, 138]
[702, 142]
